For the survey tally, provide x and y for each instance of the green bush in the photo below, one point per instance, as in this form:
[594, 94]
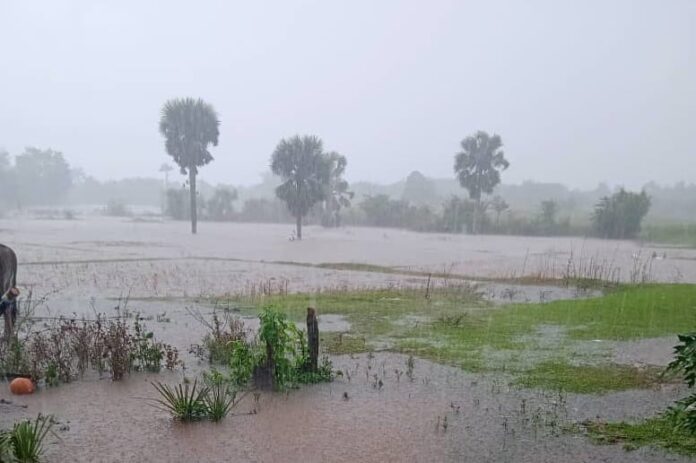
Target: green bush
[619, 216]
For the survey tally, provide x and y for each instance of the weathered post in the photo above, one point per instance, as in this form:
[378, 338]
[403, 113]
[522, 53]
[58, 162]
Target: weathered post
[313, 339]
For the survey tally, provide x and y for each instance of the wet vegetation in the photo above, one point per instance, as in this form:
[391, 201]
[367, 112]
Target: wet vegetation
[455, 325]
[675, 428]
[64, 349]
[24, 443]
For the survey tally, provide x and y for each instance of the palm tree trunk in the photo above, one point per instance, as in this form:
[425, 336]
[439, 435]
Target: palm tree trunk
[299, 227]
[477, 209]
[192, 190]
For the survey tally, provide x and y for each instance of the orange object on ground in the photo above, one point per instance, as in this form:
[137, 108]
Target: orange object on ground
[21, 386]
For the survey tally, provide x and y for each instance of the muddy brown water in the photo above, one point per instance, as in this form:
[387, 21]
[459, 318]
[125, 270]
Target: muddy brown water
[74, 262]
[401, 421]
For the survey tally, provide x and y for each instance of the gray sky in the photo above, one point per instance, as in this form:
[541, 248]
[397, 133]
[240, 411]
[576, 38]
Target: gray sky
[580, 91]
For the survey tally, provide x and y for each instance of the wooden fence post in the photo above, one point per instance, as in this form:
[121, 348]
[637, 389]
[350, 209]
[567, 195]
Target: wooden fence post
[313, 339]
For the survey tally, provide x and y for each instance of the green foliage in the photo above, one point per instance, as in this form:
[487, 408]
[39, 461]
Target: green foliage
[147, 354]
[685, 358]
[185, 402]
[243, 360]
[282, 343]
[218, 402]
[281, 349]
[619, 216]
[24, 443]
[587, 379]
[377, 317]
[305, 171]
[684, 411]
[659, 431]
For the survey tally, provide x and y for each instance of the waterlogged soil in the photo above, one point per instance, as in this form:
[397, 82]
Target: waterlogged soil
[82, 267]
[372, 413]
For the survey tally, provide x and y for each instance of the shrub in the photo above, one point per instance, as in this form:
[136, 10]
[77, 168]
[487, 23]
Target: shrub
[619, 216]
[189, 402]
[24, 442]
[67, 349]
[683, 413]
[186, 402]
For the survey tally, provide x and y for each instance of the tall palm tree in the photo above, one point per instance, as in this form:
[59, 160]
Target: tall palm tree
[338, 195]
[189, 126]
[305, 171]
[478, 167]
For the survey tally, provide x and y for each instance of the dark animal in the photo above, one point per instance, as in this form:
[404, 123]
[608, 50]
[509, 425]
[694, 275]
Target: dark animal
[8, 280]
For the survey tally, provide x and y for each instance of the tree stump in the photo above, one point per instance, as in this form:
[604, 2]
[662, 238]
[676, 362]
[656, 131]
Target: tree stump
[312, 339]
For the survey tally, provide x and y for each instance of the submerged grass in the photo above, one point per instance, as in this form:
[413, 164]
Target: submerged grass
[659, 431]
[588, 379]
[455, 326]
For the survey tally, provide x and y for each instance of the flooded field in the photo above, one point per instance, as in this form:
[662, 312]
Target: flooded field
[441, 415]
[370, 412]
[113, 256]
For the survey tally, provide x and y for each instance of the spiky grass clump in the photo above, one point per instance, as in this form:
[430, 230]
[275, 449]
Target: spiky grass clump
[219, 401]
[24, 443]
[6, 453]
[186, 402]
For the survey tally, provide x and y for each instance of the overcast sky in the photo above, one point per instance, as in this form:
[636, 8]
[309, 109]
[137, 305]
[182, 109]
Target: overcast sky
[580, 91]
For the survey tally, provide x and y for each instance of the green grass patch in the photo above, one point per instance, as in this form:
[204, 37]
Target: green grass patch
[455, 326]
[675, 234]
[659, 431]
[342, 343]
[588, 379]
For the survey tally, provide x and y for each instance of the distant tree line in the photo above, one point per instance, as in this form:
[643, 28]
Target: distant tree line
[311, 188]
[36, 177]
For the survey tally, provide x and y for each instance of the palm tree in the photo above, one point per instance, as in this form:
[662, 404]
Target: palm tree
[305, 172]
[338, 195]
[189, 126]
[499, 205]
[478, 166]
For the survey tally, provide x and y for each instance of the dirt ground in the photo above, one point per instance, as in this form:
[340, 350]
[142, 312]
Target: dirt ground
[78, 265]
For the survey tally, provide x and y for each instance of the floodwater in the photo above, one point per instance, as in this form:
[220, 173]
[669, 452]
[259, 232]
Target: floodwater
[82, 266]
[117, 255]
[441, 414]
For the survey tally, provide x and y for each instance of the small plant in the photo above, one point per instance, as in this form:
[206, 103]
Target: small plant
[186, 402]
[24, 443]
[242, 363]
[219, 401]
[683, 413]
[410, 365]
